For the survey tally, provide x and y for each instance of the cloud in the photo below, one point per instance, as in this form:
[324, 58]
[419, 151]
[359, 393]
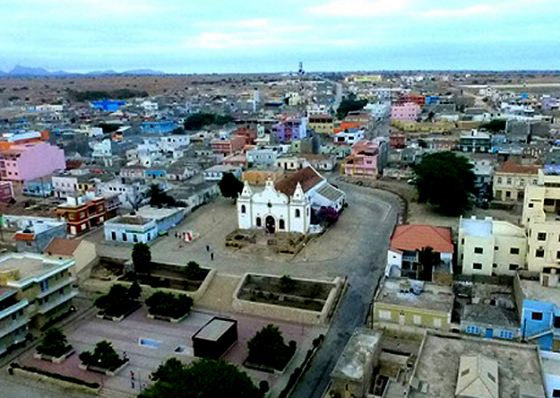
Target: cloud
[359, 8]
[461, 12]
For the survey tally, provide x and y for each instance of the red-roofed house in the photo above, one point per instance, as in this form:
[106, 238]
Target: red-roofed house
[408, 240]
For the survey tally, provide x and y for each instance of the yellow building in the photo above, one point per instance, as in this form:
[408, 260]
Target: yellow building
[364, 78]
[510, 180]
[322, 124]
[413, 306]
[491, 247]
[42, 285]
[258, 177]
[541, 218]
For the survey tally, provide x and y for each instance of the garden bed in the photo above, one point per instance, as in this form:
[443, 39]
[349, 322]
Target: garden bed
[269, 369]
[67, 381]
[307, 295]
[168, 276]
[119, 318]
[106, 372]
[57, 360]
[168, 318]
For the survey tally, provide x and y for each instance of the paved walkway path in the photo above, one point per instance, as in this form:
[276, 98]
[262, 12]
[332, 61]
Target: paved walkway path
[219, 295]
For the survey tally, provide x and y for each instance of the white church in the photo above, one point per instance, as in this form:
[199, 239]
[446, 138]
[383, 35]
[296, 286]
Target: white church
[285, 206]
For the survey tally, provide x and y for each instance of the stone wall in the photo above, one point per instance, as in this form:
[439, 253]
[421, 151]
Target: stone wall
[289, 314]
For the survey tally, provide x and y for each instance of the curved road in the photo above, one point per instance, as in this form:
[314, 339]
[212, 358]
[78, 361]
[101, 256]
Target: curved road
[367, 270]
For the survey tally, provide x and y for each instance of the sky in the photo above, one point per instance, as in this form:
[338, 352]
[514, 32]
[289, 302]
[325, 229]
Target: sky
[250, 36]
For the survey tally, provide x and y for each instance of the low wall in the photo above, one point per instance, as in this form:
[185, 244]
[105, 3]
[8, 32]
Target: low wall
[52, 380]
[289, 314]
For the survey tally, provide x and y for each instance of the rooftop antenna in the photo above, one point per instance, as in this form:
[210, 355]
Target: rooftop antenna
[301, 72]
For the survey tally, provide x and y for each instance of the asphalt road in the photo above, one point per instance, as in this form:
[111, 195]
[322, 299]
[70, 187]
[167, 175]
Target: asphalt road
[368, 267]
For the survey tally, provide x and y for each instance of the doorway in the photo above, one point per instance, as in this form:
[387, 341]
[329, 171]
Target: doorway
[270, 224]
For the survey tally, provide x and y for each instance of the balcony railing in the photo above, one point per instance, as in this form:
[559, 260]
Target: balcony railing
[56, 286]
[14, 325]
[46, 307]
[14, 308]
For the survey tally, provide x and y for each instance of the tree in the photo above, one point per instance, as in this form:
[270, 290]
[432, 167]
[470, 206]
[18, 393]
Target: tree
[349, 104]
[267, 348]
[54, 343]
[118, 301]
[495, 125]
[445, 181]
[169, 304]
[159, 197]
[427, 260]
[134, 291]
[287, 284]
[193, 271]
[141, 258]
[204, 378]
[103, 356]
[230, 186]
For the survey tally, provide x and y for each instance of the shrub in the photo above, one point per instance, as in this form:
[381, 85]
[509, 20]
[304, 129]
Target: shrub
[287, 284]
[103, 356]
[194, 272]
[169, 304]
[263, 386]
[118, 301]
[57, 376]
[267, 348]
[54, 343]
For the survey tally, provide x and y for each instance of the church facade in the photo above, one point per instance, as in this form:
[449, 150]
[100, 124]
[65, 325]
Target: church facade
[285, 206]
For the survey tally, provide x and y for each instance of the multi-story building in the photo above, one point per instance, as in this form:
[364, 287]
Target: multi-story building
[131, 229]
[407, 111]
[13, 320]
[33, 234]
[263, 156]
[538, 302]
[322, 124]
[475, 141]
[541, 206]
[228, 145]
[290, 129]
[43, 287]
[159, 127]
[510, 180]
[349, 137]
[216, 173]
[132, 192]
[491, 247]
[82, 213]
[362, 162]
[20, 163]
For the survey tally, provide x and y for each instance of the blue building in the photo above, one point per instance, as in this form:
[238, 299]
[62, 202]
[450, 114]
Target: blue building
[40, 188]
[161, 127]
[539, 299]
[155, 174]
[490, 321]
[432, 99]
[107, 105]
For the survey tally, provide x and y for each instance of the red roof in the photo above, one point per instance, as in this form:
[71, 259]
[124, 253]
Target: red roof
[62, 247]
[307, 177]
[417, 236]
[514, 168]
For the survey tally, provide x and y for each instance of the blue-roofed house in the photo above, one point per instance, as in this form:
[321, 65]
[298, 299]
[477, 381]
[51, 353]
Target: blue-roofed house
[538, 300]
[107, 105]
[160, 127]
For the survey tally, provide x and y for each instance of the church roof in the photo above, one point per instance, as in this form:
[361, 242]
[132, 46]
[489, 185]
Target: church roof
[307, 177]
[331, 193]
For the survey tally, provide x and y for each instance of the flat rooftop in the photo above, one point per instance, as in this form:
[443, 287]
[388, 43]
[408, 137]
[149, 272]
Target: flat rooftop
[6, 292]
[131, 220]
[433, 297]
[437, 366]
[157, 213]
[472, 227]
[214, 329]
[358, 352]
[31, 265]
[533, 290]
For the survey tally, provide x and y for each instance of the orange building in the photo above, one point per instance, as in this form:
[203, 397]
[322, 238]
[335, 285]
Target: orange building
[82, 214]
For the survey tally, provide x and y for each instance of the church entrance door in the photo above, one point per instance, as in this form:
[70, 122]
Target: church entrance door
[270, 224]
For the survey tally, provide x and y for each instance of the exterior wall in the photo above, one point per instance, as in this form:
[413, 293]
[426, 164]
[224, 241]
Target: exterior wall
[405, 112]
[85, 254]
[64, 186]
[13, 322]
[171, 221]
[410, 317]
[543, 328]
[394, 264]
[504, 259]
[484, 330]
[83, 217]
[511, 187]
[35, 161]
[129, 233]
[468, 257]
[41, 239]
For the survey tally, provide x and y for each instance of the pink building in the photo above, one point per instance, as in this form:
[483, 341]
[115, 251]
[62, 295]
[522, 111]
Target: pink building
[6, 191]
[231, 145]
[20, 163]
[362, 161]
[408, 111]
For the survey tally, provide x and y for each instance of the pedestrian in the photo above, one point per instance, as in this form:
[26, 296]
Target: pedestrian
[212, 256]
[207, 248]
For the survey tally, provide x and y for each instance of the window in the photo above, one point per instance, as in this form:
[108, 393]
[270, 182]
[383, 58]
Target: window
[44, 285]
[549, 202]
[124, 237]
[113, 235]
[494, 265]
[530, 205]
[477, 266]
[491, 377]
[243, 209]
[499, 180]
[417, 319]
[135, 238]
[539, 253]
[385, 314]
[514, 250]
[478, 250]
[473, 329]
[298, 213]
[536, 316]
[555, 393]
[557, 322]
[281, 224]
[541, 236]
[496, 248]
[513, 267]
[258, 222]
[506, 334]
[437, 322]
[465, 372]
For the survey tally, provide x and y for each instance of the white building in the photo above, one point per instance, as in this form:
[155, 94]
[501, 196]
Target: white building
[215, 173]
[349, 137]
[130, 194]
[285, 206]
[130, 229]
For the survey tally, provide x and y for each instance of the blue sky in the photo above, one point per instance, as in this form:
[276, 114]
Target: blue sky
[194, 36]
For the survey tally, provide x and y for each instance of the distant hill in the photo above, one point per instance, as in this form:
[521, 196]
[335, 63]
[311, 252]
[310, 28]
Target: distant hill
[25, 71]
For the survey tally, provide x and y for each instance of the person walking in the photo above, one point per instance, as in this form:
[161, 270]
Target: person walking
[207, 248]
[212, 256]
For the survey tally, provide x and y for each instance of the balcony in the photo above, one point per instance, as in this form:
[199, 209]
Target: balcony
[14, 308]
[13, 326]
[46, 307]
[56, 286]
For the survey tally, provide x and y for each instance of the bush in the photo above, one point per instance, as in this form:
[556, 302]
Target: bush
[54, 343]
[103, 356]
[118, 301]
[287, 284]
[69, 379]
[267, 348]
[169, 304]
[194, 272]
[263, 386]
